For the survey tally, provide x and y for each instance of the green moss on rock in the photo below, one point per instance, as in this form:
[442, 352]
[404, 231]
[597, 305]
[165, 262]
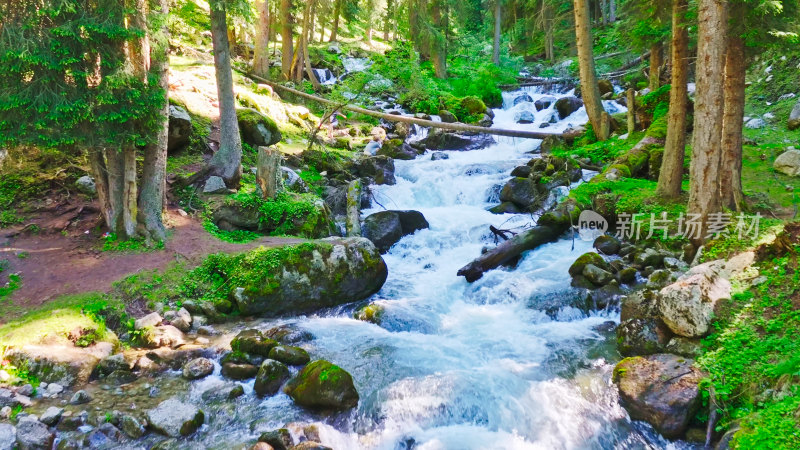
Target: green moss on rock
[323, 385]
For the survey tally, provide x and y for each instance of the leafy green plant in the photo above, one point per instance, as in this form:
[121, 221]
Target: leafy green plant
[113, 244]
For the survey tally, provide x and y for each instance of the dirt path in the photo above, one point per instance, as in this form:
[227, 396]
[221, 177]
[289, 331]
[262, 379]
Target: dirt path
[58, 264]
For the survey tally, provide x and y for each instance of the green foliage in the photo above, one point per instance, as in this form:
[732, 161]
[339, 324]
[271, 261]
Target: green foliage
[602, 151]
[752, 359]
[111, 243]
[65, 80]
[656, 103]
[729, 244]
[14, 282]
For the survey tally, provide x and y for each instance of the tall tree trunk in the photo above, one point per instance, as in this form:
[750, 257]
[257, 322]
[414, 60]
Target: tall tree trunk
[589, 88]
[612, 11]
[704, 192]
[547, 24]
[152, 194]
[100, 171]
[287, 53]
[227, 161]
[498, 6]
[311, 7]
[603, 13]
[733, 118]
[261, 50]
[115, 169]
[671, 175]
[438, 49]
[387, 24]
[655, 66]
[414, 34]
[337, 11]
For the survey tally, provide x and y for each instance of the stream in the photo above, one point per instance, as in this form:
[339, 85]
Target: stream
[503, 363]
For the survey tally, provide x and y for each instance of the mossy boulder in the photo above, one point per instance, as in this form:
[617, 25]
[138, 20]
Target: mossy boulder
[290, 355]
[505, 208]
[397, 149]
[473, 105]
[527, 194]
[256, 128]
[385, 228]
[567, 105]
[305, 277]
[586, 259]
[270, 377]
[323, 385]
[253, 342]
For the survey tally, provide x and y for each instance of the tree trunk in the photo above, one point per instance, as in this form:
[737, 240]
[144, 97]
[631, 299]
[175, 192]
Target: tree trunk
[353, 218]
[671, 175]
[115, 167]
[655, 66]
[731, 193]
[306, 56]
[603, 14]
[438, 51]
[704, 191]
[387, 24]
[100, 172]
[227, 161]
[547, 22]
[268, 172]
[337, 11]
[152, 193]
[631, 97]
[261, 50]
[612, 11]
[287, 53]
[589, 88]
[498, 6]
[414, 24]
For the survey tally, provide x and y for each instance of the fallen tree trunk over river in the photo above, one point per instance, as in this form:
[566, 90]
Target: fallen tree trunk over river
[414, 120]
[510, 249]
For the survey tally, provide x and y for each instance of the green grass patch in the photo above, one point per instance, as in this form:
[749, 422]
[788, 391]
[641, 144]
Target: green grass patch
[111, 243]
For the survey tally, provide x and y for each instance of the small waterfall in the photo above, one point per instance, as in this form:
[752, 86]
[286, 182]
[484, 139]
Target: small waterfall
[325, 76]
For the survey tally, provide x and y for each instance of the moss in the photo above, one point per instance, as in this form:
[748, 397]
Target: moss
[658, 129]
[623, 169]
[587, 258]
[473, 105]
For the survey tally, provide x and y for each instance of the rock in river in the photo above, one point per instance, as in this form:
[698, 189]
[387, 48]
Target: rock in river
[688, 305]
[270, 377]
[661, 390]
[175, 418]
[323, 385]
[316, 275]
[385, 228]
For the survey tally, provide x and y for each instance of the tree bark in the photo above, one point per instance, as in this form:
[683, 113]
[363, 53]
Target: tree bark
[589, 88]
[337, 11]
[508, 250]
[498, 6]
[631, 97]
[655, 66]
[353, 218]
[152, 193]
[306, 56]
[704, 192]
[603, 14]
[547, 22]
[671, 175]
[287, 53]
[261, 50]
[387, 24]
[227, 161]
[268, 172]
[438, 49]
[612, 11]
[731, 193]
[115, 169]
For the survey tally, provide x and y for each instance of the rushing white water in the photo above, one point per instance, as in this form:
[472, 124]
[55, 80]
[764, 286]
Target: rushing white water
[503, 363]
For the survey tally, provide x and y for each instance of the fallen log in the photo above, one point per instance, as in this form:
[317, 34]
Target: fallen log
[508, 250]
[407, 119]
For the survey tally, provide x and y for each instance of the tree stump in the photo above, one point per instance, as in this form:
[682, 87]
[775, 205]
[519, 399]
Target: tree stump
[268, 172]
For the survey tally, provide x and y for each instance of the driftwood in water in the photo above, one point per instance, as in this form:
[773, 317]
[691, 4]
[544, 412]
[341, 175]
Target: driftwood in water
[508, 250]
[353, 219]
[407, 119]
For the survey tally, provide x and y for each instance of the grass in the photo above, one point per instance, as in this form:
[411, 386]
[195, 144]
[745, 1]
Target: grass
[56, 319]
[753, 358]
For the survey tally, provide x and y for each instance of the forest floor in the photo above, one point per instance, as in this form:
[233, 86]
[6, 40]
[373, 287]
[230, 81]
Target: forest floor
[56, 264]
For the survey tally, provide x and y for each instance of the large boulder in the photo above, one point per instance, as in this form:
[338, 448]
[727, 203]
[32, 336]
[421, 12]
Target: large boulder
[522, 99]
[34, 435]
[788, 163]
[175, 418]
[322, 385]
[659, 389]
[688, 305]
[180, 128]
[544, 102]
[438, 139]
[794, 117]
[605, 87]
[526, 193]
[397, 149]
[64, 365]
[257, 129]
[306, 277]
[567, 105]
[198, 368]
[253, 342]
[524, 117]
[8, 436]
[385, 228]
[379, 169]
[290, 355]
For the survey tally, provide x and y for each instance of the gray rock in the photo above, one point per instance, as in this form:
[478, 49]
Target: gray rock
[86, 185]
[148, 321]
[641, 336]
[691, 348]
[34, 435]
[8, 436]
[228, 391]
[544, 103]
[80, 397]
[597, 275]
[755, 123]
[270, 377]
[659, 278]
[688, 305]
[26, 390]
[198, 368]
[287, 354]
[788, 163]
[279, 439]
[675, 263]
[437, 156]
[175, 418]
[526, 193]
[51, 415]
[795, 114]
[522, 99]
[180, 128]
[567, 105]
[163, 336]
[54, 389]
[214, 185]
[131, 426]
[111, 363]
[447, 116]
[385, 228]
[607, 245]
[182, 320]
[524, 117]
[660, 389]
[649, 257]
